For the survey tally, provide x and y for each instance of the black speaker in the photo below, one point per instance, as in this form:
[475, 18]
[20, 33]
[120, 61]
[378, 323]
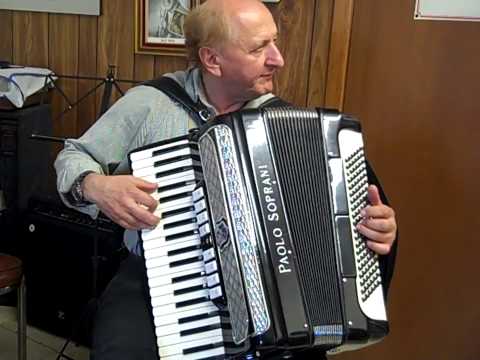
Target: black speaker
[68, 260]
[25, 164]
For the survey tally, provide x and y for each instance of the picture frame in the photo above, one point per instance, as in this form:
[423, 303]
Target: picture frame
[84, 7]
[159, 26]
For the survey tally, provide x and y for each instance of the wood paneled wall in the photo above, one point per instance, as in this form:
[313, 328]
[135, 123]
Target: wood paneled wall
[85, 46]
[415, 86]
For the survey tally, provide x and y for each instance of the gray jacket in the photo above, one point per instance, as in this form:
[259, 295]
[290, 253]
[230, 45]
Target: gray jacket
[144, 115]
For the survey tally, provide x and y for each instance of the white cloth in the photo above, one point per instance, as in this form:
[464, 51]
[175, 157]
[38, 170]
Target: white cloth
[18, 83]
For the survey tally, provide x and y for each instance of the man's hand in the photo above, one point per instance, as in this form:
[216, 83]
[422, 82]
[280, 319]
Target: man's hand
[123, 198]
[378, 224]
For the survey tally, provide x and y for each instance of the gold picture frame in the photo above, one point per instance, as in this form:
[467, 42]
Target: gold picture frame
[159, 26]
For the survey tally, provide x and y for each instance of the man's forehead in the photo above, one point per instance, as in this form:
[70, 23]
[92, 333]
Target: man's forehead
[253, 26]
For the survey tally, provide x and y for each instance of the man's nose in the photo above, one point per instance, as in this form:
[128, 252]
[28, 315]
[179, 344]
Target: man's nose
[275, 57]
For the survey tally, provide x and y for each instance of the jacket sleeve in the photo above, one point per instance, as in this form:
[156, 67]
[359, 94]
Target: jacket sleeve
[105, 144]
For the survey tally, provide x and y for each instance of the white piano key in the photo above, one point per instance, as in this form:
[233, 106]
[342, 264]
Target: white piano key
[219, 351]
[167, 289]
[170, 350]
[148, 153]
[185, 215]
[171, 309]
[202, 217]
[156, 169]
[211, 267]
[213, 280]
[200, 205]
[173, 318]
[167, 280]
[171, 272]
[149, 167]
[164, 250]
[198, 194]
[159, 242]
[177, 339]
[177, 328]
[175, 203]
[182, 177]
[145, 162]
[175, 191]
[204, 229]
[208, 254]
[167, 260]
[215, 292]
[159, 231]
[176, 299]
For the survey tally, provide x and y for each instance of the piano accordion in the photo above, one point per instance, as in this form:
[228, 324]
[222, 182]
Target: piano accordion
[256, 254]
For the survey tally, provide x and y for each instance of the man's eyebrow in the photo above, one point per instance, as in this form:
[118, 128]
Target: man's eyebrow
[265, 42]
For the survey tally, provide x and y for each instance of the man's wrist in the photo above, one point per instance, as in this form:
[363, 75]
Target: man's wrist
[76, 195]
[86, 186]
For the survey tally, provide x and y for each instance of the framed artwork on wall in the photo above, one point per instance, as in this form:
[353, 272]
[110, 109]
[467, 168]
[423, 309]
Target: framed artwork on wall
[84, 7]
[159, 26]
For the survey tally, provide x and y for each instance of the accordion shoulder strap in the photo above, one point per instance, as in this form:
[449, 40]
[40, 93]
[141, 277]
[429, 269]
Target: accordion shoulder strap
[198, 111]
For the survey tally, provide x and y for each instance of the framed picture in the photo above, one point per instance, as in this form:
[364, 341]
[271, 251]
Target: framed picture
[159, 26]
[84, 7]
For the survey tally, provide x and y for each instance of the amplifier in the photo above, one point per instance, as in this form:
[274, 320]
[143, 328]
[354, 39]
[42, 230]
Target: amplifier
[69, 259]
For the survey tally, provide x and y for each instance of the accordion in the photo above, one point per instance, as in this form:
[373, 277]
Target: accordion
[257, 253]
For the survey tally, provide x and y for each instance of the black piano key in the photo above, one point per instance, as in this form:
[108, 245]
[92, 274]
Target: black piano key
[180, 223]
[175, 148]
[186, 261]
[166, 214]
[184, 250]
[200, 329]
[175, 159]
[186, 277]
[192, 302]
[195, 349]
[166, 199]
[177, 170]
[174, 186]
[187, 290]
[180, 235]
[202, 316]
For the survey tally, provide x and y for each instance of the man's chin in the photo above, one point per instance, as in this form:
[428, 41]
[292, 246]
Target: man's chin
[265, 88]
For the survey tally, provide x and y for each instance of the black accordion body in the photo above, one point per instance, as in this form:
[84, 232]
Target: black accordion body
[257, 254]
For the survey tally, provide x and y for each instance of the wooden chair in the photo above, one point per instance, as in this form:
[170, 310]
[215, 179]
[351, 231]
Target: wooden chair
[11, 278]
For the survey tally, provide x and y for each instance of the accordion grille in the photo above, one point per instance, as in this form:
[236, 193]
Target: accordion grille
[301, 168]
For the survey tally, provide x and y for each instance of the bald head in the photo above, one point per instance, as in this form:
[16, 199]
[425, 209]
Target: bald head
[218, 22]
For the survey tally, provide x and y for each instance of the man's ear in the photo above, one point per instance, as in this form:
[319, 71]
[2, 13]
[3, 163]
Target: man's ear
[210, 60]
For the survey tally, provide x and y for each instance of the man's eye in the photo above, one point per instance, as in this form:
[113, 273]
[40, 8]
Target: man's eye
[257, 50]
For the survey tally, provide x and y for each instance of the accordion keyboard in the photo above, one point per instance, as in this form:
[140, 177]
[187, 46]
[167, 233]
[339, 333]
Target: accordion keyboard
[188, 325]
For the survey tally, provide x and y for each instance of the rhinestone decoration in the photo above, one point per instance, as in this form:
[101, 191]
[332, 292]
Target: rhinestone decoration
[236, 302]
[243, 228]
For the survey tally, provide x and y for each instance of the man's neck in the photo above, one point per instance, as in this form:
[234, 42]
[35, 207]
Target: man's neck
[219, 97]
